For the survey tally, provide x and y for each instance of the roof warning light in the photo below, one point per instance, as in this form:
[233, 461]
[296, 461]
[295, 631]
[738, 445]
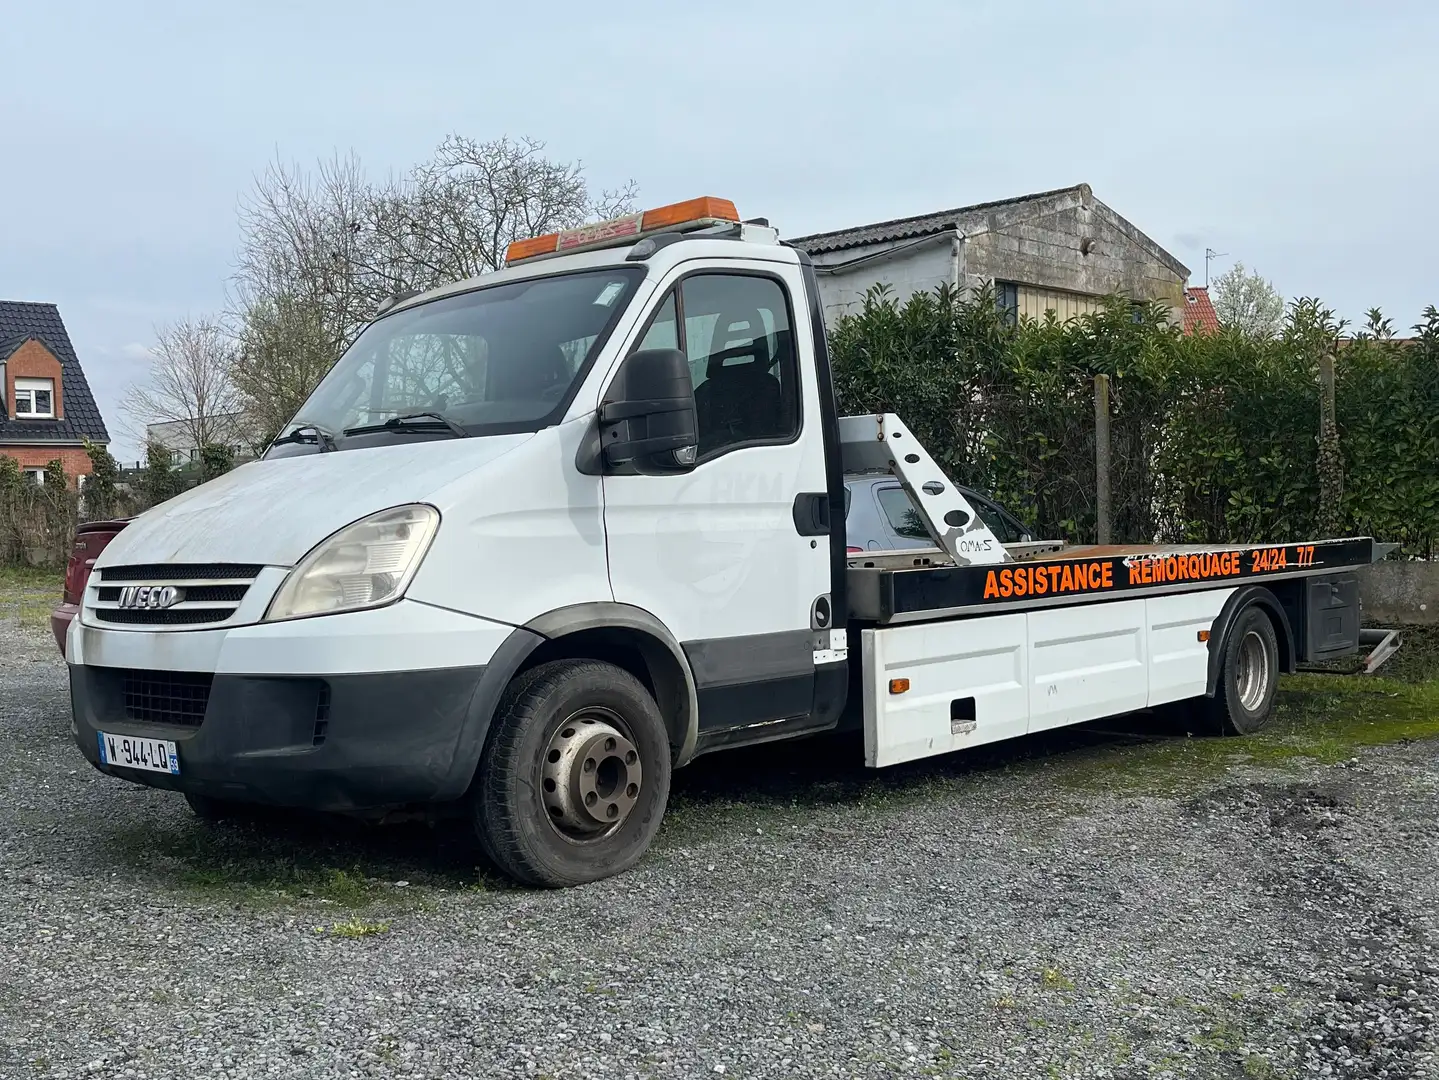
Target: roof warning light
[676, 217]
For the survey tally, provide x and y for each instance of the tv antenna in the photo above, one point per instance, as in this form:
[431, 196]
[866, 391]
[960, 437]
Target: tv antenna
[1209, 255]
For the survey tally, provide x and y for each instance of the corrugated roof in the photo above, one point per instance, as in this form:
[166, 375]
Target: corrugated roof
[1199, 314]
[21, 321]
[906, 227]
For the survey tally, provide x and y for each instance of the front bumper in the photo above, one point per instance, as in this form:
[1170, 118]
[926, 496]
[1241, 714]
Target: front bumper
[357, 711]
[340, 742]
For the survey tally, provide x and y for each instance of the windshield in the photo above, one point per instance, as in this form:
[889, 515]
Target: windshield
[495, 360]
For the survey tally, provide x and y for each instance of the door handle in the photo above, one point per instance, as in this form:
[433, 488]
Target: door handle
[811, 513]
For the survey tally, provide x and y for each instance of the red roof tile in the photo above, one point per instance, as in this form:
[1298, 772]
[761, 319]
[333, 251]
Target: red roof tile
[1199, 316]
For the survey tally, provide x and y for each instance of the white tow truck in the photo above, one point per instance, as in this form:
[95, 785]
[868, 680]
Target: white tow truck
[543, 536]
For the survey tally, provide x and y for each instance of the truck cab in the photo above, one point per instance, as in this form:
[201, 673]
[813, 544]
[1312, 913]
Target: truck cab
[536, 540]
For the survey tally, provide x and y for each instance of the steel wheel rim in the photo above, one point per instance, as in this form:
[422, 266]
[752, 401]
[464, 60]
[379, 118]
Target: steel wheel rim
[1251, 672]
[590, 775]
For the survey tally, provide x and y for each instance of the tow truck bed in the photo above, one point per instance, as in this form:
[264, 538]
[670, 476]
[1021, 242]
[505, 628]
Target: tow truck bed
[914, 586]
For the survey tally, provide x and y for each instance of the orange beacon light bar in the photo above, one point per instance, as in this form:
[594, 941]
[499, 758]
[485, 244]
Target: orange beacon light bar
[691, 214]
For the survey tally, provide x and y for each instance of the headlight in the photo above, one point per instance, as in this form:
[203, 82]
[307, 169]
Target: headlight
[365, 564]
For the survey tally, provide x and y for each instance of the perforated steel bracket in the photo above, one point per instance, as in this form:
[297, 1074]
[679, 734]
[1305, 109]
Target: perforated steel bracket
[881, 443]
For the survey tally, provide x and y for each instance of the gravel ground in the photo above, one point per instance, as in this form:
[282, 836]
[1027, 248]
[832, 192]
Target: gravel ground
[1101, 904]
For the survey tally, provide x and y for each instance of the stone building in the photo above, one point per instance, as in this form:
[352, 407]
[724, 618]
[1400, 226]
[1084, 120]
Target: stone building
[1056, 250]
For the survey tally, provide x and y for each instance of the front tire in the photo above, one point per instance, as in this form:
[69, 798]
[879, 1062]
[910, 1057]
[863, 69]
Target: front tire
[1249, 678]
[575, 776]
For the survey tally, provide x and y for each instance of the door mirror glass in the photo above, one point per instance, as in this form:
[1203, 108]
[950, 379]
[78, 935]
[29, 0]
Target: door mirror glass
[648, 419]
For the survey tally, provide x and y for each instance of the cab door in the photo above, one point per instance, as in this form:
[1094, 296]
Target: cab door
[718, 553]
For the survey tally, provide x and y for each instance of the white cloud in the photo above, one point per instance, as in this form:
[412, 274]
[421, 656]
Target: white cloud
[135, 351]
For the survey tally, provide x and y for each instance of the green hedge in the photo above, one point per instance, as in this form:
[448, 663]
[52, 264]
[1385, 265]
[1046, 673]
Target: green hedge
[1213, 437]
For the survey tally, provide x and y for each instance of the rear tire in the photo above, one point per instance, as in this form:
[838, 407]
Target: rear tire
[575, 775]
[1249, 676]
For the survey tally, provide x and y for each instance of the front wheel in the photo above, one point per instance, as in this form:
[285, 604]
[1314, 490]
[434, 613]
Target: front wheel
[1249, 677]
[575, 776]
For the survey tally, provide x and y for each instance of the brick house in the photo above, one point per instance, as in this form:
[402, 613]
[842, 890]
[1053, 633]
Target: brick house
[48, 408]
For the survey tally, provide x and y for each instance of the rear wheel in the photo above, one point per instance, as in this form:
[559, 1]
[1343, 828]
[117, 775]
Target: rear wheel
[575, 776]
[1249, 677]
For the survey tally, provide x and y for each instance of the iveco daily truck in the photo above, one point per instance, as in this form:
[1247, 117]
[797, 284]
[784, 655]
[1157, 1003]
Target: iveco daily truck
[541, 537]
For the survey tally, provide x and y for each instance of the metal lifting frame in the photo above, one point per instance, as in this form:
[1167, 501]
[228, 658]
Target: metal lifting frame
[881, 443]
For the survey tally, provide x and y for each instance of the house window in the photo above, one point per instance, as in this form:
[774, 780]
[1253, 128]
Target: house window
[35, 476]
[35, 399]
[1006, 298]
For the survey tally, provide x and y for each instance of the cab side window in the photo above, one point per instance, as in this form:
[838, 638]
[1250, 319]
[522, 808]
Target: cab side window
[735, 330]
[663, 332]
[740, 344]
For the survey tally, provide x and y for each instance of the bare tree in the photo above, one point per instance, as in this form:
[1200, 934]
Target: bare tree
[1249, 302]
[455, 215]
[189, 384]
[285, 350]
[322, 250]
[303, 239]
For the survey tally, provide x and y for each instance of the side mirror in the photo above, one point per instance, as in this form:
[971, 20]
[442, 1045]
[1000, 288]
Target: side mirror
[648, 419]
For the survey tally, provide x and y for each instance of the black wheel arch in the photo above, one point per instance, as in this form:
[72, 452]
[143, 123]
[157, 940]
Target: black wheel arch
[621, 634]
[1244, 598]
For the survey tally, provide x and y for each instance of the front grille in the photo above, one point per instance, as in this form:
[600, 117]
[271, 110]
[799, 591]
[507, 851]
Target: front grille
[163, 572]
[167, 697]
[322, 715]
[171, 617]
[195, 594]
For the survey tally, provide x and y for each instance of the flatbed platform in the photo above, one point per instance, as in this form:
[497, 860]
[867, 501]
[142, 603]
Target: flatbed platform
[912, 586]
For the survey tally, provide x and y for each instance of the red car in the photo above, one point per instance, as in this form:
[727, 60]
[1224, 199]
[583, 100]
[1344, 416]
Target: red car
[90, 539]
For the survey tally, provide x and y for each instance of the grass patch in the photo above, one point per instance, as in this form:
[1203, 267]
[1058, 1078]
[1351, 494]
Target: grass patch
[31, 577]
[355, 929]
[1324, 718]
[1053, 979]
[305, 866]
[28, 595]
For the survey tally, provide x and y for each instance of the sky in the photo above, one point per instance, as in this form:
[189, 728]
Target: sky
[1293, 136]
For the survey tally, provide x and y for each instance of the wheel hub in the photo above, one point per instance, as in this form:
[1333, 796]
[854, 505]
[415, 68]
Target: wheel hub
[591, 776]
[1251, 674]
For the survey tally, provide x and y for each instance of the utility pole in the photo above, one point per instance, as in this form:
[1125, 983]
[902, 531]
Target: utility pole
[1210, 255]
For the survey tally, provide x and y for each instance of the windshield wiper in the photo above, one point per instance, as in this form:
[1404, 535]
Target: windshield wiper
[304, 433]
[428, 421]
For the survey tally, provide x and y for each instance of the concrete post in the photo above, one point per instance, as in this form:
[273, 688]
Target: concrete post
[1331, 465]
[1101, 459]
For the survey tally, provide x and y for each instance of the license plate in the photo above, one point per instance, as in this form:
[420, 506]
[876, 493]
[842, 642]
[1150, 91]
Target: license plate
[152, 755]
